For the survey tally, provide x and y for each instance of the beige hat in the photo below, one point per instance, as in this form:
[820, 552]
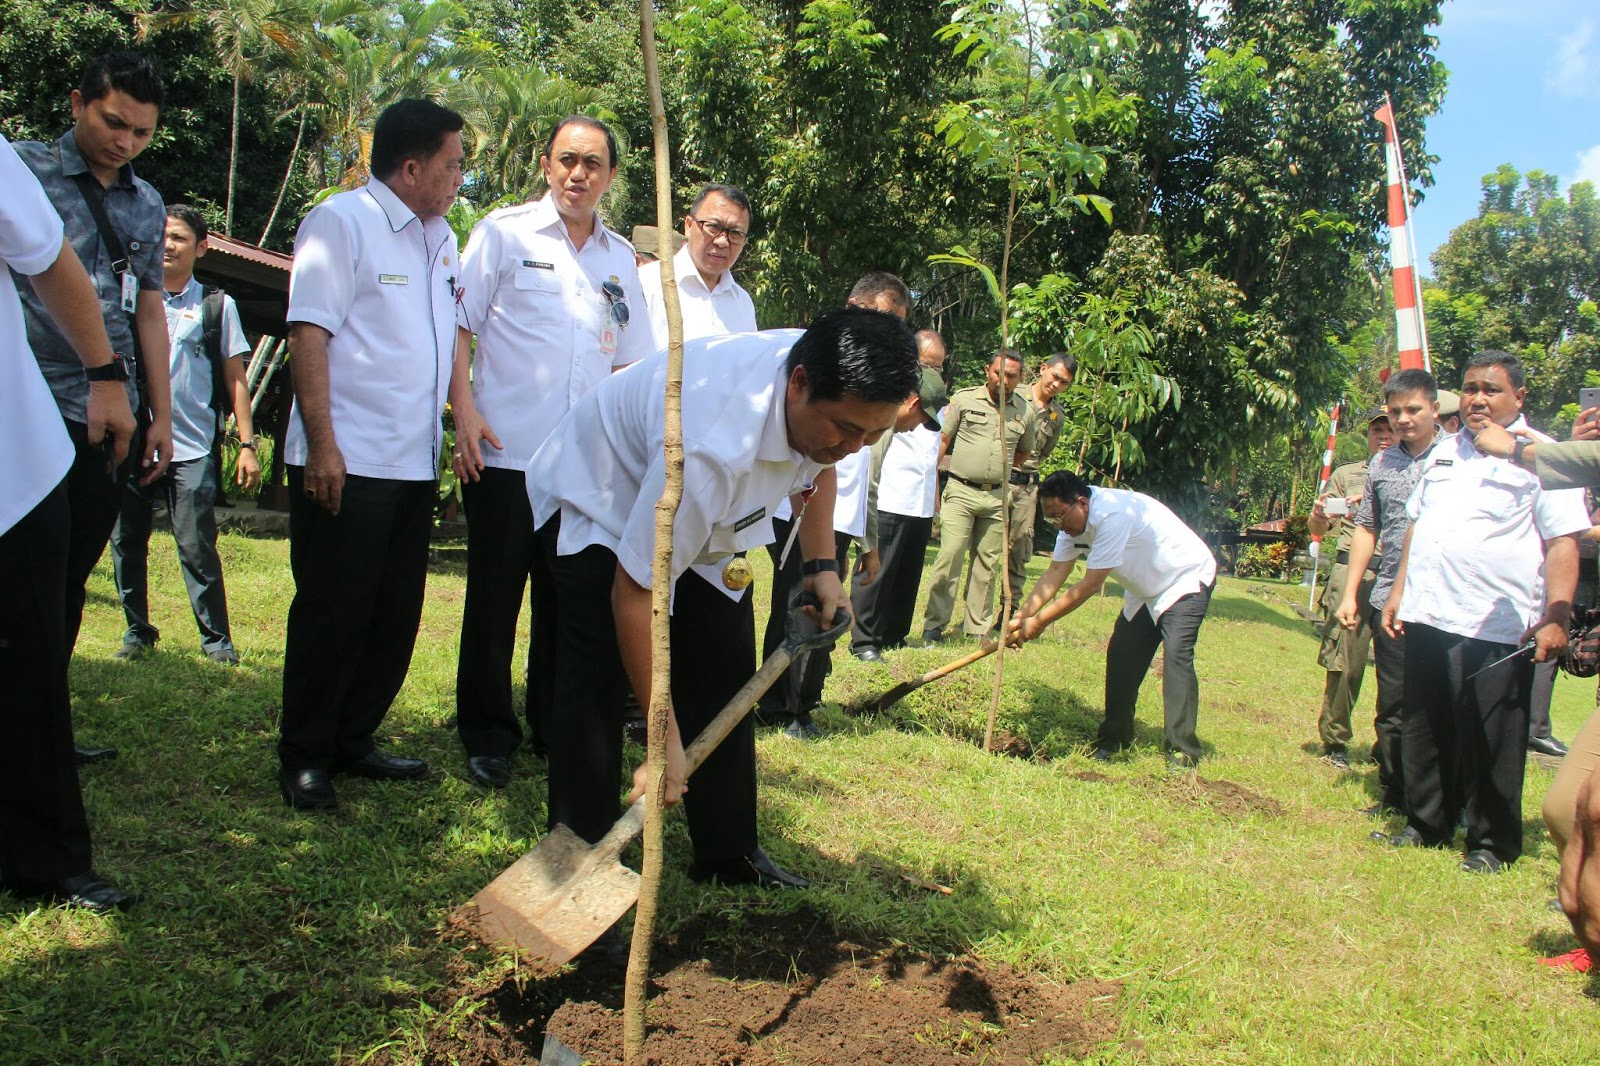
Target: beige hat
[646, 240]
[1449, 403]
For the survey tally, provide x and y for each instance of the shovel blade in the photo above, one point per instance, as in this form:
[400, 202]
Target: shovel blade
[556, 900]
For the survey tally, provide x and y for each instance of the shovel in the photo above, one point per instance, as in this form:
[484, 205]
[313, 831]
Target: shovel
[906, 688]
[560, 897]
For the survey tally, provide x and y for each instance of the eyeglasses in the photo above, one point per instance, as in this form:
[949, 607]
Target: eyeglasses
[715, 229]
[616, 300]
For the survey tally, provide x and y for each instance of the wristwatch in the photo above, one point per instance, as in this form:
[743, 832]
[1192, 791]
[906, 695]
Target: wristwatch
[251, 444]
[116, 370]
[1517, 449]
[817, 566]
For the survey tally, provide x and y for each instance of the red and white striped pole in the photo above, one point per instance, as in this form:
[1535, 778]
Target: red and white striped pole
[1322, 486]
[1411, 333]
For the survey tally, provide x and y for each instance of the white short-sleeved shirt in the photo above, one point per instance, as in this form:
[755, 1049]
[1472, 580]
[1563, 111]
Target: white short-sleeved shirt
[1476, 565]
[194, 420]
[909, 481]
[724, 308]
[1157, 558]
[32, 434]
[536, 304]
[603, 468]
[378, 279]
[853, 472]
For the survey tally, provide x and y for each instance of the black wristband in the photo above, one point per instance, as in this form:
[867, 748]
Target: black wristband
[817, 566]
[116, 370]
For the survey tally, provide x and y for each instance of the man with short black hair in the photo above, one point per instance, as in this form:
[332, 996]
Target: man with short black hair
[1410, 398]
[764, 415]
[115, 222]
[711, 302]
[1489, 567]
[207, 373]
[546, 290]
[372, 323]
[970, 511]
[1167, 574]
[1055, 377]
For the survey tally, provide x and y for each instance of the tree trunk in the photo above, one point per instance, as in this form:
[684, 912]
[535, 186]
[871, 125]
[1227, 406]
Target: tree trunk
[283, 187]
[233, 151]
[660, 577]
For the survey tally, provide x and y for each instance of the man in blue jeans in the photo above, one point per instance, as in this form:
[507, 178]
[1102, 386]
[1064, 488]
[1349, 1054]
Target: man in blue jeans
[1167, 574]
[207, 375]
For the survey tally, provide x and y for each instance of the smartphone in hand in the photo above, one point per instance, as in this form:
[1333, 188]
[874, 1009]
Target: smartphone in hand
[1588, 399]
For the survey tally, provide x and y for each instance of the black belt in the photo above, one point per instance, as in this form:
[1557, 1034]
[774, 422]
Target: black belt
[979, 485]
[1024, 478]
[1344, 557]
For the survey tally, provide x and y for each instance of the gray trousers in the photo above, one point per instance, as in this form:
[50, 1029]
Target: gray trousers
[190, 488]
[1133, 645]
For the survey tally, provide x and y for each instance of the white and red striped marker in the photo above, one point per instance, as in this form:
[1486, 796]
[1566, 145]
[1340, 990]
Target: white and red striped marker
[1411, 333]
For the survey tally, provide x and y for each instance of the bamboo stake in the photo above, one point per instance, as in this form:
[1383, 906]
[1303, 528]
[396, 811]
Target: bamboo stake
[660, 575]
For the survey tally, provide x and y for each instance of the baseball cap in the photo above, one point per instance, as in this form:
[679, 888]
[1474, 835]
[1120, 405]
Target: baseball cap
[1375, 413]
[1449, 403]
[932, 393]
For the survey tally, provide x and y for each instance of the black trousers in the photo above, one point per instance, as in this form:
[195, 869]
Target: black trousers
[1388, 750]
[1133, 645]
[1543, 691]
[44, 834]
[94, 498]
[1466, 741]
[795, 692]
[358, 586]
[502, 557]
[713, 655]
[884, 609]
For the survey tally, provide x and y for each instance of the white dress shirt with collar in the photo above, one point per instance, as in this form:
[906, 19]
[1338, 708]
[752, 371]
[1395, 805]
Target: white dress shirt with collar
[31, 431]
[1476, 565]
[379, 280]
[536, 304]
[723, 308]
[603, 468]
[1156, 557]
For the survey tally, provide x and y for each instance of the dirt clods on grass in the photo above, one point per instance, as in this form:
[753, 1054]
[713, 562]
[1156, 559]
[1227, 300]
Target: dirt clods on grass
[759, 989]
[1225, 797]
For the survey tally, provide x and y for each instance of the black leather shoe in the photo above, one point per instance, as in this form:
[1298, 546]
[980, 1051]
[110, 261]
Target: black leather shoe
[932, 638]
[308, 790]
[1337, 756]
[755, 868]
[90, 892]
[1482, 861]
[1406, 838]
[1547, 746]
[87, 755]
[490, 771]
[381, 766]
[868, 655]
[1102, 755]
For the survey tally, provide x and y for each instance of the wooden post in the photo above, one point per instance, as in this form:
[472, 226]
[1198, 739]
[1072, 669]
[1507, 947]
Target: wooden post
[644, 923]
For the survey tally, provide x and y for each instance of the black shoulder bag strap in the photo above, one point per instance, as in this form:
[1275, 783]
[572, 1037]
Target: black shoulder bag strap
[211, 339]
[94, 195]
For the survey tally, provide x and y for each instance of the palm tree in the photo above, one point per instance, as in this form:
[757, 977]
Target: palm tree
[248, 33]
[507, 112]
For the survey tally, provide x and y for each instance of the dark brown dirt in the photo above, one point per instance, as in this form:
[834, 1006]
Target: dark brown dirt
[1008, 743]
[1225, 797]
[1088, 775]
[784, 989]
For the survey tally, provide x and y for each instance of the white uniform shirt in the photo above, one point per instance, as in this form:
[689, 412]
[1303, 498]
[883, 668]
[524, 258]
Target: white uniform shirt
[603, 469]
[1476, 567]
[725, 308]
[535, 302]
[850, 495]
[32, 435]
[377, 278]
[909, 482]
[1157, 558]
[194, 420]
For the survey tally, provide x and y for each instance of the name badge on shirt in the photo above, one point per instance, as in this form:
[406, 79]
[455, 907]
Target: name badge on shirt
[191, 315]
[608, 337]
[535, 264]
[749, 520]
[1445, 462]
[393, 279]
[130, 292]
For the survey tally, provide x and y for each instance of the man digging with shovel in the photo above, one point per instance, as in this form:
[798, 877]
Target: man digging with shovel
[764, 416]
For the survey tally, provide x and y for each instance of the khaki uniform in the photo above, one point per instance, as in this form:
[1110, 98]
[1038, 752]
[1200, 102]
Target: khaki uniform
[970, 509]
[1344, 652]
[1051, 419]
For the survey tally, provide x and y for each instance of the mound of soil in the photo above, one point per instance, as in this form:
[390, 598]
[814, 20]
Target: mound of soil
[1227, 797]
[802, 994]
[786, 989]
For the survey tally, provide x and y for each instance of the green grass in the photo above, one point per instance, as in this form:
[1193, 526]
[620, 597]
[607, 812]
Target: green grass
[1246, 925]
